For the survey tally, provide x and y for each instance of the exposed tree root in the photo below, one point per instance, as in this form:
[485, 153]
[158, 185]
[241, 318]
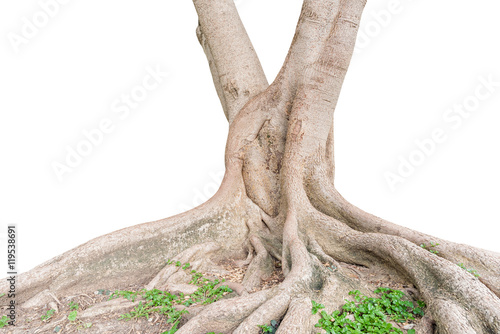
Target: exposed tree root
[326, 199]
[298, 317]
[277, 202]
[440, 282]
[457, 301]
[225, 315]
[260, 268]
[199, 258]
[136, 254]
[273, 308]
[425, 326]
[290, 301]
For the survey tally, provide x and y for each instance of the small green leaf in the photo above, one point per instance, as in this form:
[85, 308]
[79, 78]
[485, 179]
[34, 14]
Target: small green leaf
[4, 321]
[72, 315]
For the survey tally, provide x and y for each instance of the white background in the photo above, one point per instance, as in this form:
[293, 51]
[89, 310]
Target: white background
[168, 154]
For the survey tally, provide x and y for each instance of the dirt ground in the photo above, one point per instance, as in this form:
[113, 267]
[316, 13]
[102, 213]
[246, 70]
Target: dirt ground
[98, 314]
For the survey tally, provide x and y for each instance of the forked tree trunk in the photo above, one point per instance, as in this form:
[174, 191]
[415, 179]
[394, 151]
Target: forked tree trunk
[278, 201]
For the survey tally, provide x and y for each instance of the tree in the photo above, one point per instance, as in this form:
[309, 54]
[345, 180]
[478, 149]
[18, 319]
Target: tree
[278, 200]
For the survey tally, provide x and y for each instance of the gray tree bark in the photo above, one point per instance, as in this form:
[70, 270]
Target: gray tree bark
[278, 201]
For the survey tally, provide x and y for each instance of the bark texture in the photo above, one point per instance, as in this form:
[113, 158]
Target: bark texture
[278, 202]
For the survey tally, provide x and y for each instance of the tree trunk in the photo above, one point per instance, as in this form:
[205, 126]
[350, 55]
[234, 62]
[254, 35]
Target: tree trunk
[278, 201]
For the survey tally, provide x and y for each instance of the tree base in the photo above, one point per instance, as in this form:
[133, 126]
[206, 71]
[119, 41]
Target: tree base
[277, 203]
[103, 314]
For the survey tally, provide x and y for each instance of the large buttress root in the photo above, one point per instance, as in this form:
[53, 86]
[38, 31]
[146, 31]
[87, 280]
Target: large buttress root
[307, 279]
[136, 254]
[198, 256]
[327, 200]
[298, 317]
[225, 315]
[475, 308]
